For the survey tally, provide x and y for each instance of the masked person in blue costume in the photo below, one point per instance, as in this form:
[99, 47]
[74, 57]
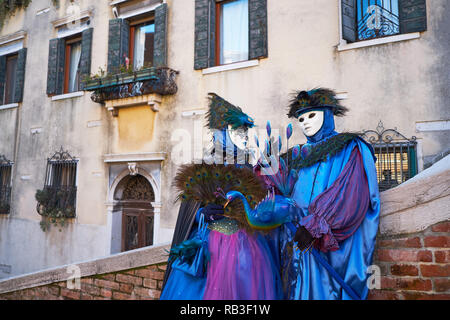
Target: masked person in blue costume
[215, 253]
[338, 203]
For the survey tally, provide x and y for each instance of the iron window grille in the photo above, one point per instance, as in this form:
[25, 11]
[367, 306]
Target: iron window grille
[5, 184]
[377, 18]
[396, 156]
[58, 198]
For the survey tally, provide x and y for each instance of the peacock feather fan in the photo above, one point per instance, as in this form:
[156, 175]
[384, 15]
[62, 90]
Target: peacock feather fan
[208, 183]
[221, 113]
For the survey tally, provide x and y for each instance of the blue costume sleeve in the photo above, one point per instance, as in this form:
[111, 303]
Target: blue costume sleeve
[337, 212]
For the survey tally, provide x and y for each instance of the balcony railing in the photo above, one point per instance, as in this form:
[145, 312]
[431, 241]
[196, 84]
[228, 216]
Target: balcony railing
[131, 84]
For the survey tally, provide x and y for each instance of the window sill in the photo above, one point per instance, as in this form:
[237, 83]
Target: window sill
[68, 95]
[9, 106]
[231, 66]
[368, 43]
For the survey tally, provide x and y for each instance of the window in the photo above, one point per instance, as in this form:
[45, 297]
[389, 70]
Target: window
[377, 18]
[396, 156]
[72, 64]
[60, 189]
[232, 31]
[141, 44]
[69, 61]
[370, 19]
[5, 185]
[10, 82]
[142, 39]
[12, 76]
[229, 31]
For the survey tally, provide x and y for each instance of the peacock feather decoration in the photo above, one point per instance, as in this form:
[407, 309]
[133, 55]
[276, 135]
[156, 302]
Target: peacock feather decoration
[221, 113]
[208, 183]
[276, 171]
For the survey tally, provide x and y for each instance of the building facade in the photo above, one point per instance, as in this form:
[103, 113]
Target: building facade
[102, 101]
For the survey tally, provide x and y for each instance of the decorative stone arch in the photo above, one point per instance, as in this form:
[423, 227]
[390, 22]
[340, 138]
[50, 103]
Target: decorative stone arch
[115, 205]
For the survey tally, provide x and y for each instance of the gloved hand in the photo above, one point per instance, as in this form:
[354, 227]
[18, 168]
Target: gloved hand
[213, 212]
[303, 238]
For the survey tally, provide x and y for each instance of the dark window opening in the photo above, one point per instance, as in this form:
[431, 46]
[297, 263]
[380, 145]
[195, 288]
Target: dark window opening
[5, 185]
[10, 82]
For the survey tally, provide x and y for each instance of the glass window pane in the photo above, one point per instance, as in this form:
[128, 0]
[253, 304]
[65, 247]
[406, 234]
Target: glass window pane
[143, 45]
[377, 18]
[234, 32]
[10, 85]
[75, 55]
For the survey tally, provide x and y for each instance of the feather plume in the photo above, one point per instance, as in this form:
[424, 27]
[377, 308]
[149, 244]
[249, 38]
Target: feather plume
[205, 183]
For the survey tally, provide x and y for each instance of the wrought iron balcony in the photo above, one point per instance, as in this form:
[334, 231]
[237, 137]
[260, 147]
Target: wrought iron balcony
[159, 80]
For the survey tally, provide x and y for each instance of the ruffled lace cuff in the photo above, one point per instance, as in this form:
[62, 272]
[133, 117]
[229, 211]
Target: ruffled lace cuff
[319, 229]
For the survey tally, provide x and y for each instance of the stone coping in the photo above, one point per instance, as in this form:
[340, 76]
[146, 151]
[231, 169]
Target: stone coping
[114, 263]
[418, 203]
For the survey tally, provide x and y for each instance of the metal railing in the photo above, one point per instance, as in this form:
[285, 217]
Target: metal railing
[377, 18]
[396, 156]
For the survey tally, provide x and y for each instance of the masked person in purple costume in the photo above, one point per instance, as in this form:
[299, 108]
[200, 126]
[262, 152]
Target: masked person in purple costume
[215, 255]
[338, 199]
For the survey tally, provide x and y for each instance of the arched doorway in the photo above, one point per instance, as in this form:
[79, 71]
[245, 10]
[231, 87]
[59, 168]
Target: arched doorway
[135, 196]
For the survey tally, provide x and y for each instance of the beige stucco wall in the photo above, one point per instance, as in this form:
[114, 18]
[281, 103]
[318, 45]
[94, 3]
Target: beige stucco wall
[399, 83]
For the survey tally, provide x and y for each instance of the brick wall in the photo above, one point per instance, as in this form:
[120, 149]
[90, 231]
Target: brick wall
[415, 266]
[136, 284]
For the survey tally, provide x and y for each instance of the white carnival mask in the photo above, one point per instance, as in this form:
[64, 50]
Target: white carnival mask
[239, 137]
[311, 122]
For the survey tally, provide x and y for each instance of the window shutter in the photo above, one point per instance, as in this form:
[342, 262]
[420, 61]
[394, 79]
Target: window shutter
[20, 75]
[349, 28]
[160, 40]
[257, 10]
[56, 59]
[119, 33]
[86, 49]
[2, 77]
[413, 15]
[205, 38]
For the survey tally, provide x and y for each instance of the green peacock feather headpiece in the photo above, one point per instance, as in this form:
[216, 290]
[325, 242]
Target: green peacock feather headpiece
[221, 113]
[303, 101]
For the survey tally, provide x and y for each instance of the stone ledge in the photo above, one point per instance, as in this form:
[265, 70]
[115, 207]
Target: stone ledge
[418, 203]
[115, 263]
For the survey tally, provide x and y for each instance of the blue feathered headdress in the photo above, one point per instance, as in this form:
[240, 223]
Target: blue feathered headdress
[221, 113]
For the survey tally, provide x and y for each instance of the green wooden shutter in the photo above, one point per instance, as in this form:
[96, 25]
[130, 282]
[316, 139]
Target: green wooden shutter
[257, 10]
[118, 41]
[205, 38]
[160, 40]
[56, 59]
[413, 15]
[348, 13]
[2, 77]
[86, 53]
[20, 75]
